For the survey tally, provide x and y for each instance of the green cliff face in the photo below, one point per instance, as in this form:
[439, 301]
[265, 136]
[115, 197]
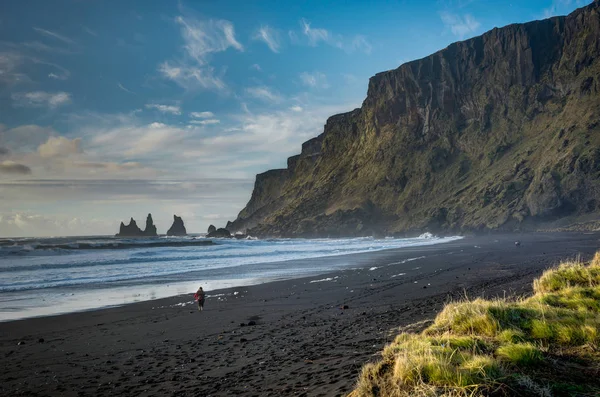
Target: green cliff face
[501, 131]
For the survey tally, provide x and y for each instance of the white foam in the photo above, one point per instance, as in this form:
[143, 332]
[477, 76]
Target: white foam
[406, 261]
[324, 279]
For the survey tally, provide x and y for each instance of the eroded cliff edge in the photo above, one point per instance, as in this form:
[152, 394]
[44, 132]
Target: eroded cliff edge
[501, 131]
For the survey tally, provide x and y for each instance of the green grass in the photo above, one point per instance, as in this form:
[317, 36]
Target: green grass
[532, 346]
[520, 354]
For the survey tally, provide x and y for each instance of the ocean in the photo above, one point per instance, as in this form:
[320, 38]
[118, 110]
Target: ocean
[47, 276]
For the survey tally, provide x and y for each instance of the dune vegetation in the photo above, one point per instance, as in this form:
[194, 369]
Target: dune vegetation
[544, 345]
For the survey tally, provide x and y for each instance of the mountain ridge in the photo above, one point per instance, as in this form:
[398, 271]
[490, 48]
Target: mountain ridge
[498, 132]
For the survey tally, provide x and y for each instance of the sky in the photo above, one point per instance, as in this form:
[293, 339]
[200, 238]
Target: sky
[116, 109]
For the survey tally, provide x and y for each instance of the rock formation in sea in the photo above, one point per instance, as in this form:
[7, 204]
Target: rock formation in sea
[132, 230]
[498, 132]
[211, 229]
[177, 228]
[219, 233]
[150, 230]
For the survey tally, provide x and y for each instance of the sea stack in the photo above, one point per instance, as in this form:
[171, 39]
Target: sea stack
[131, 230]
[177, 228]
[150, 230]
[219, 233]
[211, 229]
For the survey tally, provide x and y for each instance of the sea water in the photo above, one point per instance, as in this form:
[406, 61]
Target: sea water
[46, 276]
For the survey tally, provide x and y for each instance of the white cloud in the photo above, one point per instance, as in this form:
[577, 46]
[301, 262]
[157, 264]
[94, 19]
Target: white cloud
[314, 80]
[54, 35]
[25, 137]
[315, 36]
[172, 109]
[10, 167]
[269, 36]
[263, 93]
[59, 73]
[256, 67]
[206, 122]
[25, 223]
[124, 89]
[13, 63]
[110, 166]
[133, 139]
[48, 154]
[9, 64]
[202, 39]
[202, 115]
[57, 76]
[296, 108]
[460, 26]
[192, 77]
[360, 43]
[42, 99]
[59, 147]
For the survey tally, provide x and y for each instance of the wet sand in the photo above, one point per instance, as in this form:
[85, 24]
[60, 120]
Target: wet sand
[308, 337]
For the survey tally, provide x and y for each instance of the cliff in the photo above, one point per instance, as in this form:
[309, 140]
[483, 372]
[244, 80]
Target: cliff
[499, 132]
[177, 228]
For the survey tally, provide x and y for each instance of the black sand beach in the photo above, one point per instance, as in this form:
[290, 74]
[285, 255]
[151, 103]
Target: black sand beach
[307, 339]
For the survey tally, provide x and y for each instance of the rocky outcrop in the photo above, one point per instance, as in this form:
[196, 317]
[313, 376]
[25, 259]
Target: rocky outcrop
[150, 230]
[211, 229]
[499, 132]
[219, 233]
[177, 228]
[132, 230]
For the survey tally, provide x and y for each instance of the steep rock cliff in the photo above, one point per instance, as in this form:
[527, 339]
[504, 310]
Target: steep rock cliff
[501, 131]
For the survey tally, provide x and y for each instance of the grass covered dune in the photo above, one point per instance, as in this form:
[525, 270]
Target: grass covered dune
[544, 345]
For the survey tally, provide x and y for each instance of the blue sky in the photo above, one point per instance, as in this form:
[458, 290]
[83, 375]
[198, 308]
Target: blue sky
[112, 109]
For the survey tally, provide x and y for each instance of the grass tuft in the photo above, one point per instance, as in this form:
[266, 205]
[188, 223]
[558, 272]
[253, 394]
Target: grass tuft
[521, 354]
[536, 345]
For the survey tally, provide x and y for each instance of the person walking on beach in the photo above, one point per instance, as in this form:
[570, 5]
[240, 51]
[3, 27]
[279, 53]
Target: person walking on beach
[199, 296]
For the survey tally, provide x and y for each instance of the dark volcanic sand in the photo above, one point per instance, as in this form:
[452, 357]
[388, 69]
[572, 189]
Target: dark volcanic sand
[303, 343]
